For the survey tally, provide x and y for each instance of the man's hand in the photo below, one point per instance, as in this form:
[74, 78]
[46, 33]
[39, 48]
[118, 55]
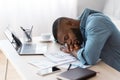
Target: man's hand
[70, 49]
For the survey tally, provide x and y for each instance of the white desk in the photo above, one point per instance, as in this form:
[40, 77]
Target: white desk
[28, 72]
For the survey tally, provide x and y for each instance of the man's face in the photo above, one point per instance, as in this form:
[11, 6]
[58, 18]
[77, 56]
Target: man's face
[69, 35]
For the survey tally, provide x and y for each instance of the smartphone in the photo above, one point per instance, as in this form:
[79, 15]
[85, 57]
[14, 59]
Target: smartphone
[47, 71]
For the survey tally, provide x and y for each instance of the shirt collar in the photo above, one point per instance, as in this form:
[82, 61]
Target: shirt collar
[83, 19]
[85, 15]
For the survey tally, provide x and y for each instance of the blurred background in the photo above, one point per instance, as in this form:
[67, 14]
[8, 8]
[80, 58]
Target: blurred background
[41, 13]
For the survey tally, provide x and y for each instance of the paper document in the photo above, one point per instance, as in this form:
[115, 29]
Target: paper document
[42, 48]
[59, 56]
[75, 64]
[57, 59]
[46, 63]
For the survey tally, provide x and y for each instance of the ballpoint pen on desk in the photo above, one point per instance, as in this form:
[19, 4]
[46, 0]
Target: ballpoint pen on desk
[69, 67]
[27, 35]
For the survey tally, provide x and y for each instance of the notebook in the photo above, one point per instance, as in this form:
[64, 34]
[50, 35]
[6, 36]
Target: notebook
[76, 74]
[24, 48]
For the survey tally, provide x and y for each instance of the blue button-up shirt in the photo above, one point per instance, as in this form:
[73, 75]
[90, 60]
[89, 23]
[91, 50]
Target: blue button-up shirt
[101, 39]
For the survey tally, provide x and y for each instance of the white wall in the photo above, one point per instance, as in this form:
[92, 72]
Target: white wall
[40, 13]
[112, 8]
[92, 4]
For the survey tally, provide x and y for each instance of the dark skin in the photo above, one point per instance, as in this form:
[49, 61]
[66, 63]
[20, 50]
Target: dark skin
[67, 37]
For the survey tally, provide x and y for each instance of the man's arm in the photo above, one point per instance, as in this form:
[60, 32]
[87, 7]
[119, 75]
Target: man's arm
[97, 33]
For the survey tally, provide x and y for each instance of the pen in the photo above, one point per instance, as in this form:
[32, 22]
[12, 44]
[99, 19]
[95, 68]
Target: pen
[31, 30]
[69, 67]
[28, 36]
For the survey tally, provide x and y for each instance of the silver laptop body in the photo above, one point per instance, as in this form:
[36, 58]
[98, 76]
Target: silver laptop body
[25, 48]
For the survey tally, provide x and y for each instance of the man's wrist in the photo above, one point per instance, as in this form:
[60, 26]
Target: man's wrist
[74, 53]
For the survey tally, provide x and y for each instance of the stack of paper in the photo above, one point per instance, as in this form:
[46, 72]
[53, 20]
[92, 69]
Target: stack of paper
[53, 59]
[46, 63]
[59, 56]
[41, 48]
[42, 64]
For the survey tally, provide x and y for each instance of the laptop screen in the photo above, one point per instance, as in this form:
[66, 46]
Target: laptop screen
[13, 39]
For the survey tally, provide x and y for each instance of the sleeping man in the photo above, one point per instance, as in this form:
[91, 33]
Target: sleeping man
[91, 37]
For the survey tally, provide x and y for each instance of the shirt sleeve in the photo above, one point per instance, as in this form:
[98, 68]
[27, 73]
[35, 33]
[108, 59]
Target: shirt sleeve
[97, 33]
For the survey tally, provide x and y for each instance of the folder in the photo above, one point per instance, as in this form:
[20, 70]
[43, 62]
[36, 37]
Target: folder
[76, 74]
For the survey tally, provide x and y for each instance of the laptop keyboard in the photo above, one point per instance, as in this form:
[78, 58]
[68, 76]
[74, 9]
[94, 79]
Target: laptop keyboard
[29, 48]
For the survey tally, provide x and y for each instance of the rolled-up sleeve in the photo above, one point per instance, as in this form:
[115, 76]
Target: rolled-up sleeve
[97, 34]
[80, 56]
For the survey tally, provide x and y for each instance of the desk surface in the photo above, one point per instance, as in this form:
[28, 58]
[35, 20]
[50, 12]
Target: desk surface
[28, 72]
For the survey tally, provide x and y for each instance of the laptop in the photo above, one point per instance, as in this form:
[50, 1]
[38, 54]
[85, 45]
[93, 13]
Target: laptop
[27, 48]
